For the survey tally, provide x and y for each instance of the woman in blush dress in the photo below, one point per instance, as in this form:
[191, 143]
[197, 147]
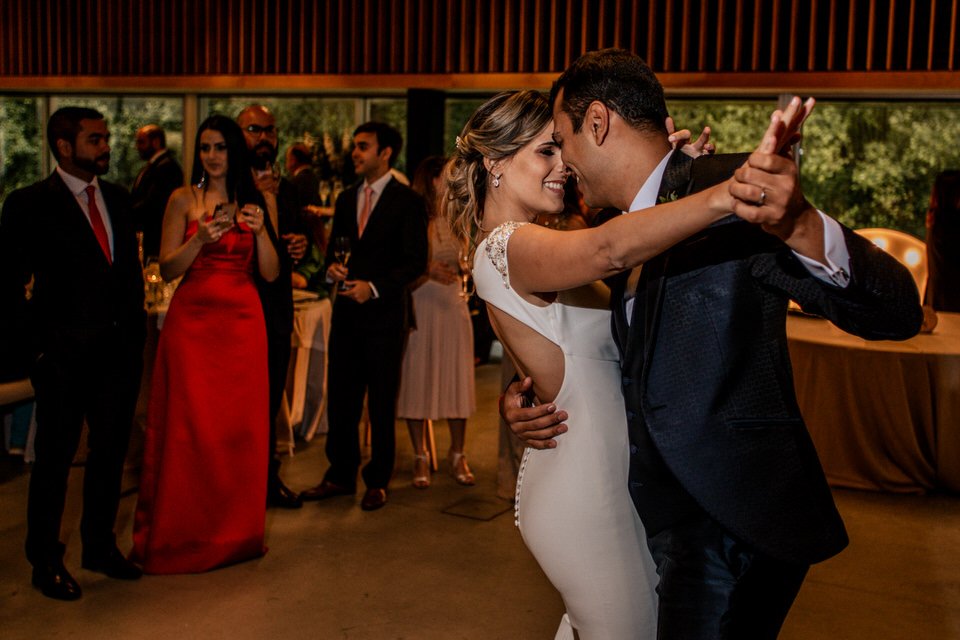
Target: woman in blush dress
[203, 483]
[573, 508]
[436, 379]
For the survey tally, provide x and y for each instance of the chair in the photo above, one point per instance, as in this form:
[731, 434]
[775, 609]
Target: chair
[907, 249]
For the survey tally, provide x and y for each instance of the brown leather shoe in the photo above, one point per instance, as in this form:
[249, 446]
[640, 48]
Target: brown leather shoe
[373, 499]
[326, 489]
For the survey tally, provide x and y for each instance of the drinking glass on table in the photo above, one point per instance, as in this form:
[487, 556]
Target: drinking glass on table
[341, 252]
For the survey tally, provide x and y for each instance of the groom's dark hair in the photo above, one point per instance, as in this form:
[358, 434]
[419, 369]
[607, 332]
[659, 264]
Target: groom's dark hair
[620, 80]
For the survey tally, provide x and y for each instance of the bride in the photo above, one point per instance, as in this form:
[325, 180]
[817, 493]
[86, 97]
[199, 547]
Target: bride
[547, 308]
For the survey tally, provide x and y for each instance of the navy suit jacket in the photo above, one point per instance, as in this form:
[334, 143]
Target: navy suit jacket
[713, 384]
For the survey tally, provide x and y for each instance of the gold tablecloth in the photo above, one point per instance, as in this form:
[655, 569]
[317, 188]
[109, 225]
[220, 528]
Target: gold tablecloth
[883, 415]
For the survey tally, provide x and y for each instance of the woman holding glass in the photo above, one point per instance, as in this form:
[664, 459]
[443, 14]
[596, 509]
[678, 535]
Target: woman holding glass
[436, 380]
[203, 483]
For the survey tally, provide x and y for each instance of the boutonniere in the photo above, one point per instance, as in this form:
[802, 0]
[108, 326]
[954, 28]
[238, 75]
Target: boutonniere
[670, 197]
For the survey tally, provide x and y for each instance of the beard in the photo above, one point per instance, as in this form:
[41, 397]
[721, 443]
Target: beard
[97, 166]
[263, 155]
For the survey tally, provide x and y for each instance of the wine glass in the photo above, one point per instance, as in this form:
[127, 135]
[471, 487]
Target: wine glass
[467, 287]
[341, 252]
[324, 192]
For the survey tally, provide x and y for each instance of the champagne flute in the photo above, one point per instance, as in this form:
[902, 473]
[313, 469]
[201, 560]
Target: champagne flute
[341, 252]
[466, 281]
[324, 193]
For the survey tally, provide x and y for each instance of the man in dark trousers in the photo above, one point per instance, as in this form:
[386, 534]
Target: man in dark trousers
[153, 186]
[723, 472]
[74, 234]
[283, 206]
[385, 223]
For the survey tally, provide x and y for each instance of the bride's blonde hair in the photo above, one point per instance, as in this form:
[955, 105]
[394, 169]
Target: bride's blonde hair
[498, 129]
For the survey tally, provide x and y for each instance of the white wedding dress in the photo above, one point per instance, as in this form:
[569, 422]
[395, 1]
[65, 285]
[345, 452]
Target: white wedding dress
[572, 505]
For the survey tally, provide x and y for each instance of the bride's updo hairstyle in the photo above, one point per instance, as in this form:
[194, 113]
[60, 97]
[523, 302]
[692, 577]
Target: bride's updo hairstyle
[497, 130]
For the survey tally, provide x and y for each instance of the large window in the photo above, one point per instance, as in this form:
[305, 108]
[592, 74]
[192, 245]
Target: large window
[20, 143]
[126, 114]
[872, 164]
[735, 125]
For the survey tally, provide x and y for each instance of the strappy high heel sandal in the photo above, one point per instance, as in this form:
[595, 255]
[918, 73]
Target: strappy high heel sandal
[421, 471]
[460, 470]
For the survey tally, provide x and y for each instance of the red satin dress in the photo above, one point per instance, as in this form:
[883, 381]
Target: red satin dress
[203, 484]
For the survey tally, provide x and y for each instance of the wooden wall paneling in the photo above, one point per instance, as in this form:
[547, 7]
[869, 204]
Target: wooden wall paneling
[812, 37]
[668, 37]
[955, 25]
[721, 40]
[652, 33]
[686, 29]
[910, 37]
[702, 40]
[891, 16]
[832, 33]
[758, 28]
[871, 31]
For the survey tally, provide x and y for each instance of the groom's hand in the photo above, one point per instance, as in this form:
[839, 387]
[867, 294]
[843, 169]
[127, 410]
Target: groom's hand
[536, 426]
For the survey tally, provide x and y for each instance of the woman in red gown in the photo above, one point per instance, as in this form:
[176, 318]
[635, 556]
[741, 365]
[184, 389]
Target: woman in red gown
[202, 487]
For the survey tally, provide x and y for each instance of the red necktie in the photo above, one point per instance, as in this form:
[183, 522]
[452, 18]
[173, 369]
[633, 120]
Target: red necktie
[365, 214]
[96, 219]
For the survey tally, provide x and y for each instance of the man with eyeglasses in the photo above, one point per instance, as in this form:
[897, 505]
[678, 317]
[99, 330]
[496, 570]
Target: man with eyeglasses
[286, 228]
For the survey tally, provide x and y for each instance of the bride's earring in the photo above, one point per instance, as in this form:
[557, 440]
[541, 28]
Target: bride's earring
[496, 180]
[203, 180]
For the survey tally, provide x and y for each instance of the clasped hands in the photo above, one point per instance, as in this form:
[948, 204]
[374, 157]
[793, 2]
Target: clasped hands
[211, 230]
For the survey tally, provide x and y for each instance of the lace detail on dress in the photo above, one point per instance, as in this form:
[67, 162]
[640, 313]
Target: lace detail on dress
[496, 247]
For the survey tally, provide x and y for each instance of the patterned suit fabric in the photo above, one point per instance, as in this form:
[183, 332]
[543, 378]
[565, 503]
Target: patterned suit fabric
[707, 373]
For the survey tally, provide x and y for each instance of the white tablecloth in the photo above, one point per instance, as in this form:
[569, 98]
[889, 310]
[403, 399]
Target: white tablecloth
[304, 408]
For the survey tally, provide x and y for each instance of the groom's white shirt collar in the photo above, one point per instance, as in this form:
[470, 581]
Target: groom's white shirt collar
[647, 196]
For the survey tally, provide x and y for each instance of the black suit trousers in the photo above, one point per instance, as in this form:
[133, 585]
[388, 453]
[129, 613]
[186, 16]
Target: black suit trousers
[365, 358]
[97, 382]
[714, 587]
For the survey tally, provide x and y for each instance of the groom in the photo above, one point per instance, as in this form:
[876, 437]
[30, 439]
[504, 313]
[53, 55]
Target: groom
[722, 470]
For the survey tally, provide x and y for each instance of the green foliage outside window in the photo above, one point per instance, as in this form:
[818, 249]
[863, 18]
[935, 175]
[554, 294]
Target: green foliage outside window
[870, 164]
[20, 143]
[873, 164]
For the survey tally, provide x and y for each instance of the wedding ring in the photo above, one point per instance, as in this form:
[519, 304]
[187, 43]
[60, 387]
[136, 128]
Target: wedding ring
[763, 197]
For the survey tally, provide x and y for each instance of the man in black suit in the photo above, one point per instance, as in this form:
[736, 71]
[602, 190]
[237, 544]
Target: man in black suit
[722, 470]
[153, 186]
[386, 225]
[74, 234]
[283, 205]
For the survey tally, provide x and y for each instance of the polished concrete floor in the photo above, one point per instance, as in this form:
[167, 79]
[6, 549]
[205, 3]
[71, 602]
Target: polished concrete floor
[448, 563]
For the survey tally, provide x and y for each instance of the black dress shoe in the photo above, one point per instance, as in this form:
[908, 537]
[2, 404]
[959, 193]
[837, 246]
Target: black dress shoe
[373, 499]
[54, 581]
[280, 495]
[112, 564]
[326, 489]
